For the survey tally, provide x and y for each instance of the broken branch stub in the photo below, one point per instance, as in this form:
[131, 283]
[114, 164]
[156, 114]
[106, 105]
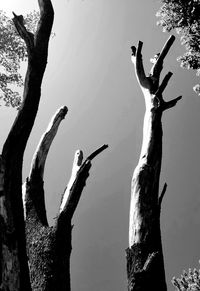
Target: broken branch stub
[157, 67]
[80, 173]
[26, 35]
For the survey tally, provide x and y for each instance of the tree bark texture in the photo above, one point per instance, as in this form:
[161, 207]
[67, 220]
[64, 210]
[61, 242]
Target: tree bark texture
[145, 263]
[48, 248]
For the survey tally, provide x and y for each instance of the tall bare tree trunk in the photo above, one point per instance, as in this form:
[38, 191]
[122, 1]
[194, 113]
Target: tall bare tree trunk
[145, 264]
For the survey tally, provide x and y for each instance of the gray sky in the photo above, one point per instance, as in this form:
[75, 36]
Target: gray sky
[90, 71]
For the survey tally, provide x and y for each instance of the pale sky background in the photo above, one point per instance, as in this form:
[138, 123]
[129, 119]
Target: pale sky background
[90, 71]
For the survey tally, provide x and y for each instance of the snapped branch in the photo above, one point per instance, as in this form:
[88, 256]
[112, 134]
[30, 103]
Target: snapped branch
[157, 67]
[138, 63]
[27, 36]
[171, 103]
[80, 173]
[97, 152]
[39, 159]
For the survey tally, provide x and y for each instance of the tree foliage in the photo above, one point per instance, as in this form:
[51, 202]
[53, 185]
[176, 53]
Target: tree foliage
[183, 16]
[12, 52]
[189, 281]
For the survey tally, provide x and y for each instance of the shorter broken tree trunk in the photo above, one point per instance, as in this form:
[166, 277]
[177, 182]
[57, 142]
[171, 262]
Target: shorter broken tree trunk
[49, 247]
[145, 264]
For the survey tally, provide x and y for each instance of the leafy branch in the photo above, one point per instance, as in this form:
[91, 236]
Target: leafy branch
[13, 52]
[183, 16]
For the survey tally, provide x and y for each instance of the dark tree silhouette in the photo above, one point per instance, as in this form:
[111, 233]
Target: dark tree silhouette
[145, 264]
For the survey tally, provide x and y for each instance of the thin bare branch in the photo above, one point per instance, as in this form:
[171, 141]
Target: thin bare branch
[162, 194]
[157, 67]
[140, 73]
[166, 48]
[138, 63]
[97, 152]
[171, 103]
[27, 36]
[164, 83]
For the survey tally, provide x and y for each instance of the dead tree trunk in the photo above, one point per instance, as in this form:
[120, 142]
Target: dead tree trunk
[145, 264]
[49, 248]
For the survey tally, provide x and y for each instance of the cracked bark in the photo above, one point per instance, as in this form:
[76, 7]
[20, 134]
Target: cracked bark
[145, 263]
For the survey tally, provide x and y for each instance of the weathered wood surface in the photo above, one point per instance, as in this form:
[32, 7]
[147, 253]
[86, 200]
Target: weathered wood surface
[145, 264]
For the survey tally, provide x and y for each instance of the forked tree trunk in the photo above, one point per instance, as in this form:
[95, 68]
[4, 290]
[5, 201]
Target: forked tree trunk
[145, 264]
[34, 256]
[49, 248]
